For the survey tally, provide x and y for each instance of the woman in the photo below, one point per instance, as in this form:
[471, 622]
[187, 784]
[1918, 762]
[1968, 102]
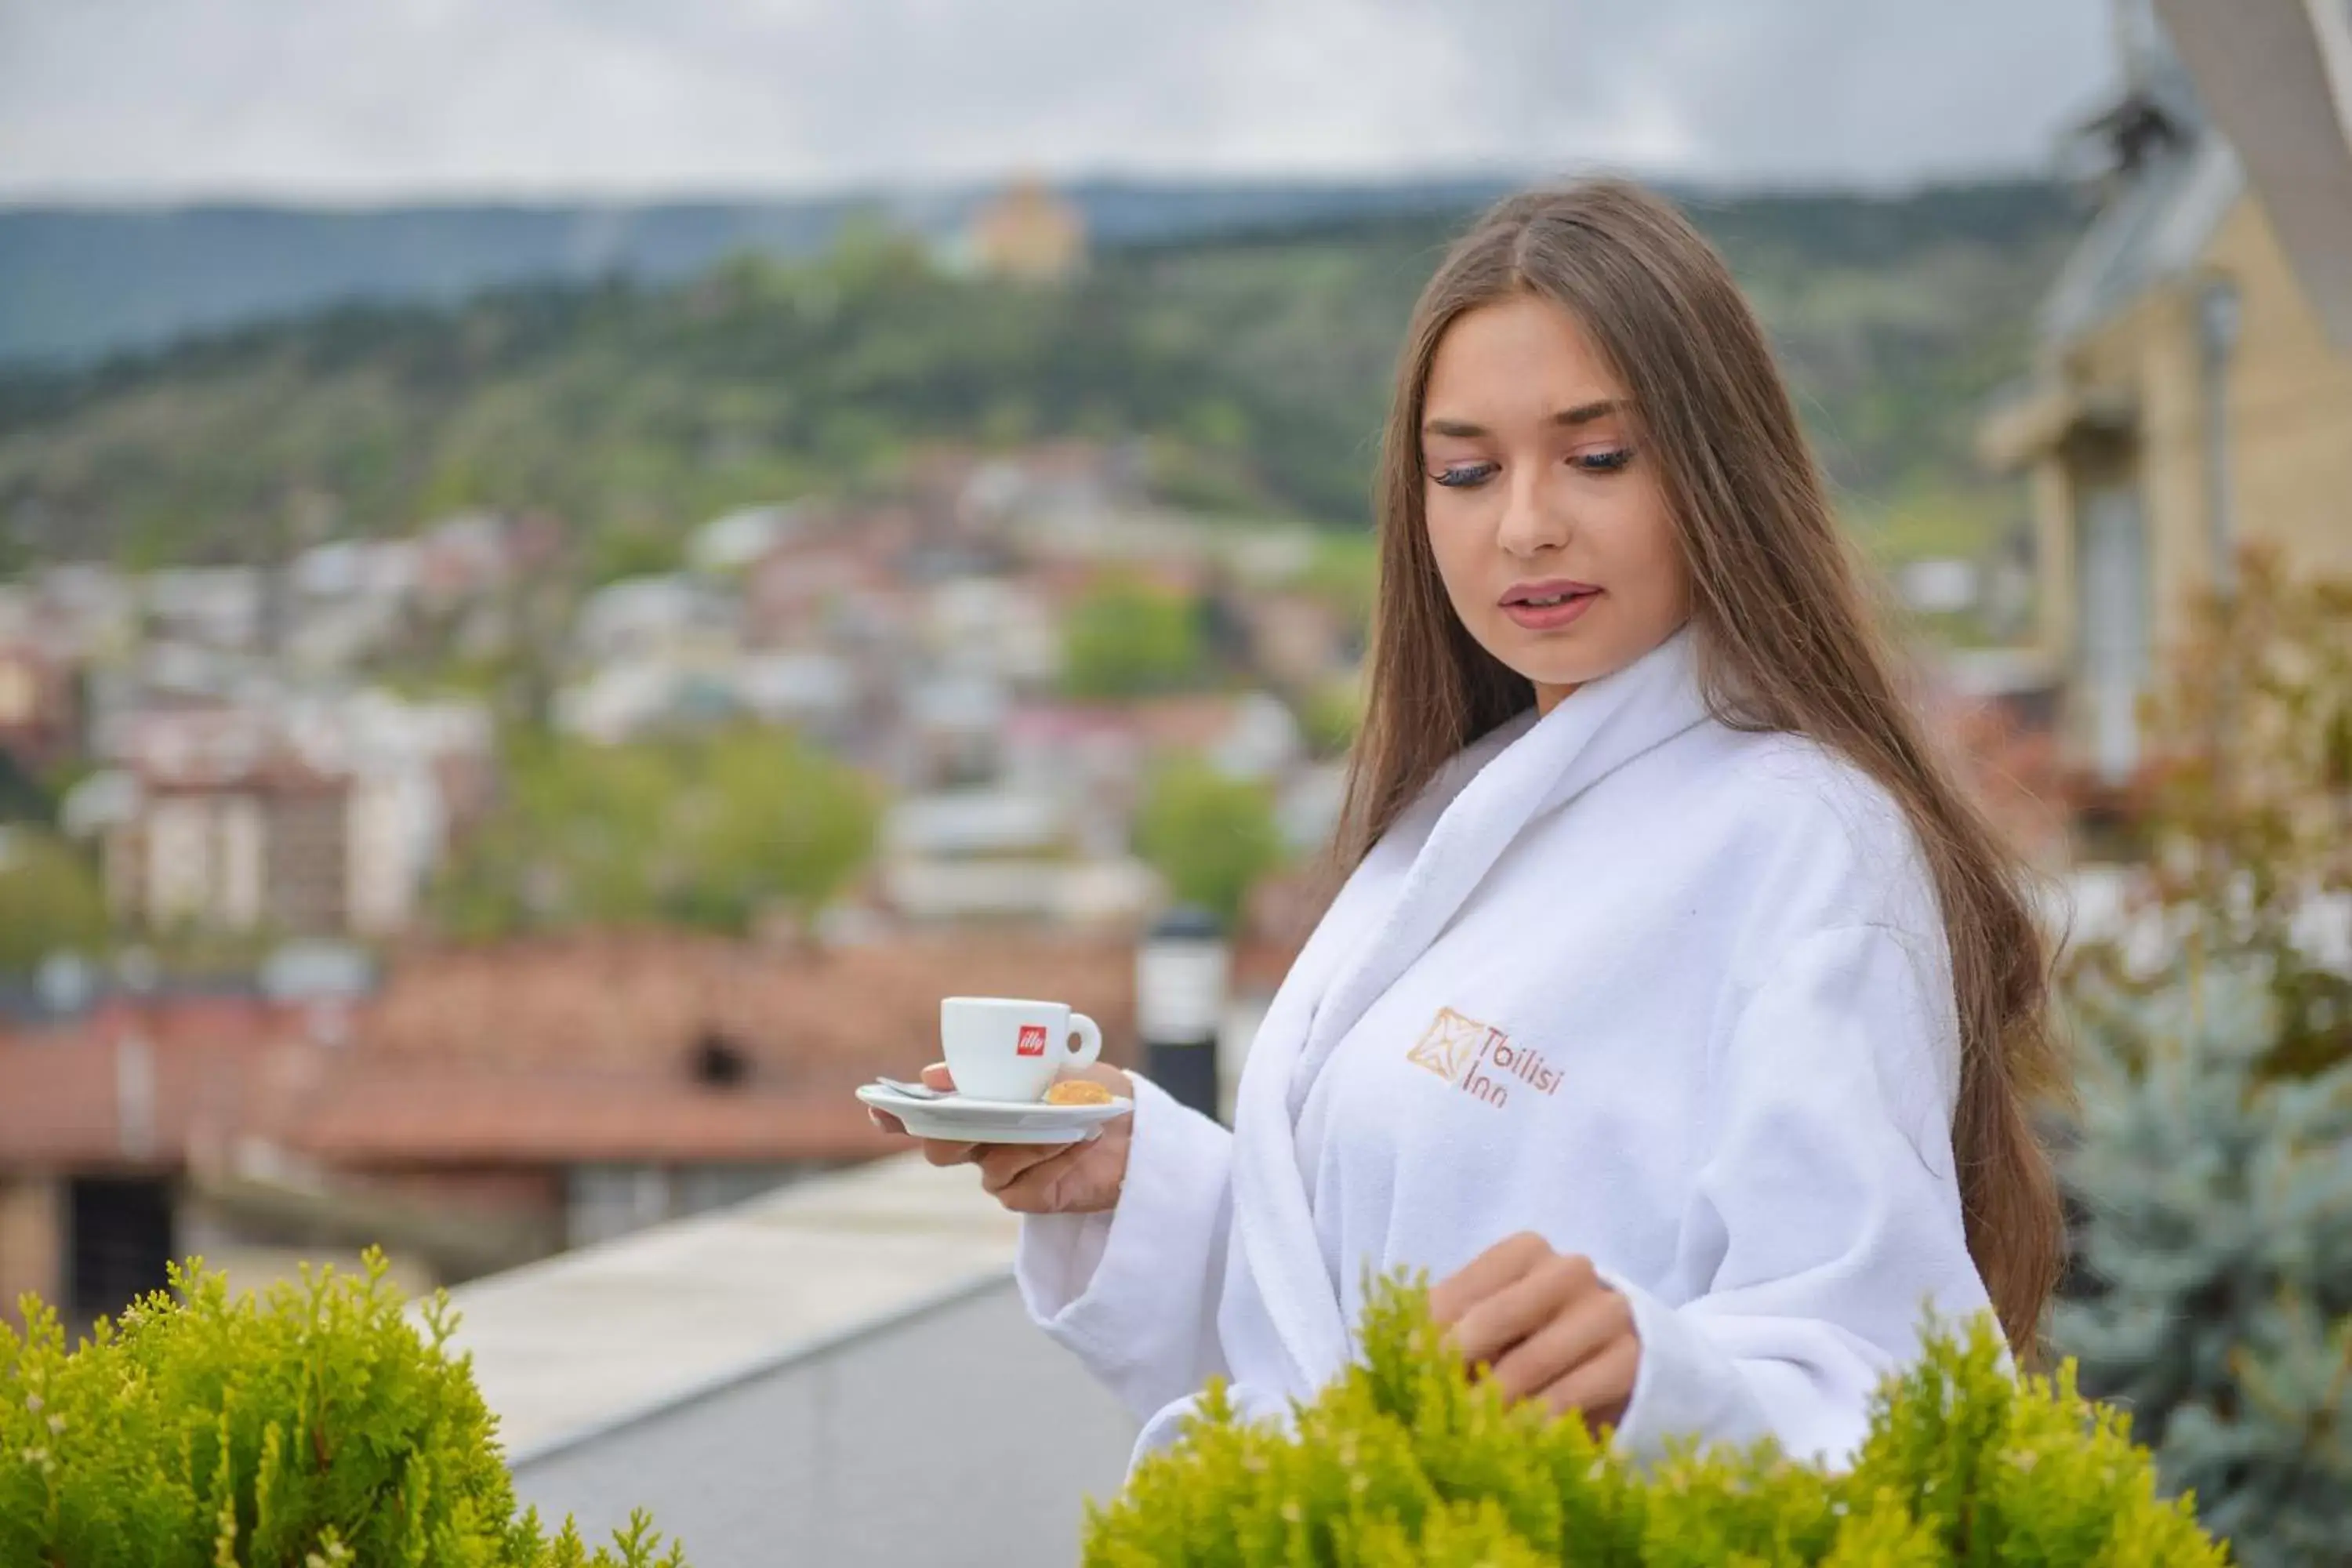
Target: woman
[1679, 1017]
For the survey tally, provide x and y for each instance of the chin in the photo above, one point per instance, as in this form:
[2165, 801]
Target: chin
[1578, 671]
[1569, 660]
[1580, 676]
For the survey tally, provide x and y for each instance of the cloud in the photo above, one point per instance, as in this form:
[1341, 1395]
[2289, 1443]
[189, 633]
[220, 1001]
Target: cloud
[400, 97]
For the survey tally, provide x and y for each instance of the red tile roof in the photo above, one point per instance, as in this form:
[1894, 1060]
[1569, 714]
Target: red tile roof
[551, 1052]
[63, 1100]
[431, 1115]
[642, 1002]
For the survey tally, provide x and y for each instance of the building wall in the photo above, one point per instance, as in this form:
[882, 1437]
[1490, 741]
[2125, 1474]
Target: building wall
[2287, 443]
[2290, 406]
[240, 868]
[194, 856]
[2148, 354]
[309, 863]
[123, 862]
[506, 1189]
[959, 1436]
[1029, 233]
[32, 1240]
[177, 839]
[608, 1199]
[381, 870]
[2172, 463]
[2053, 495]
[20, 692]
[36, 710]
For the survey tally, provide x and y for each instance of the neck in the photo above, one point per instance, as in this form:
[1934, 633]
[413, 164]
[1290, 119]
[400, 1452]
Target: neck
[1550, 697]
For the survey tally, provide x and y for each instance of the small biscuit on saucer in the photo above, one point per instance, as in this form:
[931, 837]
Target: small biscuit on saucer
[1079, 1091]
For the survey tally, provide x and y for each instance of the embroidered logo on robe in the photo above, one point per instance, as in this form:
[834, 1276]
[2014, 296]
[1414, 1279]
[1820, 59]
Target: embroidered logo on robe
[1480, 1060]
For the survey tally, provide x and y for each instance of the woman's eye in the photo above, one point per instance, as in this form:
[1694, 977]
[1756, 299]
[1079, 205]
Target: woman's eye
[1603, 462]
[1463, 476]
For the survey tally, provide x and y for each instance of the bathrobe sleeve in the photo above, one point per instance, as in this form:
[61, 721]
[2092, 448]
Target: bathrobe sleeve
[1134, 1293]
[1825, 1216]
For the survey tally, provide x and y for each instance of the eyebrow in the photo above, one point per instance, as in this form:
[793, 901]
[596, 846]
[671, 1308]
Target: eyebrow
[1582, 414]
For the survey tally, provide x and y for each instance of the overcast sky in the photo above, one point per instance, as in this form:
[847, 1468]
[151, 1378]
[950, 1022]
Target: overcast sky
[373, 99]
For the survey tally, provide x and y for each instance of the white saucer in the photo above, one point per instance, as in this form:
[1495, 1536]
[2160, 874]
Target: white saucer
[963, 1120]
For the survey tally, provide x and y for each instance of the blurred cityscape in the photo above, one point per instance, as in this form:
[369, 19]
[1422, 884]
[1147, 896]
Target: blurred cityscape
[489, 880]
[708, 850]
[491, 753]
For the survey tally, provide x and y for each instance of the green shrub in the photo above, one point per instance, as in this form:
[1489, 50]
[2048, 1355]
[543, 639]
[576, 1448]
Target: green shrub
[707, 831]
[1330, 716]
[1406, 1461]
[50, 898]
[316, 1427]
[2248, 820]
[2210, 1165]
[1128, 636]
[2215, 1243]
[1211, 837]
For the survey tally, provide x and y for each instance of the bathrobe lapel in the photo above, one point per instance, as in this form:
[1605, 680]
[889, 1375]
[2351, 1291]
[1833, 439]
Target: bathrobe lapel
[1405, 894]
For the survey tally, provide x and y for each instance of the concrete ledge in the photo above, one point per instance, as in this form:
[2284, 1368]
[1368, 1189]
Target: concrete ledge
[576, 1345]
[840, 1373]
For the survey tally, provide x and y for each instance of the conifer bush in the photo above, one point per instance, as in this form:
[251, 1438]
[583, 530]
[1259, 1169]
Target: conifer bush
[317, 1427]
[1407, 1460]
[2215, 1238]
[2209, 1171]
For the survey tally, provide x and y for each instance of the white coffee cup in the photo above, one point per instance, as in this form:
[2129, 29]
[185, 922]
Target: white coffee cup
[1003, 1047]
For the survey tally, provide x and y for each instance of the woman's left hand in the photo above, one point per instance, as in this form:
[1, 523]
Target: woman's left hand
[1541, 1325]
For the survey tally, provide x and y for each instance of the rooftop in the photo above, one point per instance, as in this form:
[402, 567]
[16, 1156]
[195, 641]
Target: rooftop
[2154, 229]
[414, 1115]
[542, 1052]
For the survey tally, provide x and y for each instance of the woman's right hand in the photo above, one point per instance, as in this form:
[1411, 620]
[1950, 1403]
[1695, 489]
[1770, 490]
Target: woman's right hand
[1041, 1178]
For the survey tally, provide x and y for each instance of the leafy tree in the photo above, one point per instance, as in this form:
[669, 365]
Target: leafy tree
[1211, 837]
[1330, 715]
[1344, 574]
[50, 900]
[1127, 638]
[763, 820]
[639, 549]
[707, 831]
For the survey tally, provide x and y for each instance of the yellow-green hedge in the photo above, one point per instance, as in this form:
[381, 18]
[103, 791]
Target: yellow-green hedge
[315, 1427]
[1406, 1461]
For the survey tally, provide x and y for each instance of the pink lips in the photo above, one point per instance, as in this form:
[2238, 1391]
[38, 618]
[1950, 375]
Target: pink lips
[1574, 599]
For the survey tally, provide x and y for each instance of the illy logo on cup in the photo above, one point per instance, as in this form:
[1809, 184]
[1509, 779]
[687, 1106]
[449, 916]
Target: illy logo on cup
[1011, 1048]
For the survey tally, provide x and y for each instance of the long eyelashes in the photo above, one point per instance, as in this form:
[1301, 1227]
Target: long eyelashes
[1470, 475]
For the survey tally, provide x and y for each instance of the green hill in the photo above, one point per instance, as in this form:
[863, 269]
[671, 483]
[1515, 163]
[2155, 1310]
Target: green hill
[79, 282]
[1257, 364]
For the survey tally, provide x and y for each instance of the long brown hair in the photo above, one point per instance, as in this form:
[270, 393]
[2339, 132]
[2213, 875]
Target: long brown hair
[1787, 639]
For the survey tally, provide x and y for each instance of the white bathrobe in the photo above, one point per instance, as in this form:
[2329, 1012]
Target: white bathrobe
[1672, 995]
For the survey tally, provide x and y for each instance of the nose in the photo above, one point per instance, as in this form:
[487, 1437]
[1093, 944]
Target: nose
[1534, 520]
